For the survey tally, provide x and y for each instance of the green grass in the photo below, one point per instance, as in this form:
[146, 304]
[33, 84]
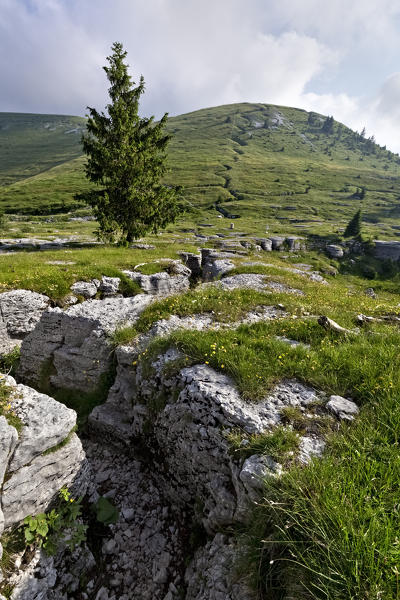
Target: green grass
[6, 407]
[280, 444]
[33, 271]
[221, 157]
[31, 144]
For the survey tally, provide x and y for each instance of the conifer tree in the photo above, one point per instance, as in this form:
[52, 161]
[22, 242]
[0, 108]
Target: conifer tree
[126, 161]
[353, 228]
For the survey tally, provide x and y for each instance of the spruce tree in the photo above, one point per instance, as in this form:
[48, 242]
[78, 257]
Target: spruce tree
[353, 228]
[126, 161]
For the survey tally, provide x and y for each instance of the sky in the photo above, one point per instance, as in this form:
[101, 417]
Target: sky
[340, 57]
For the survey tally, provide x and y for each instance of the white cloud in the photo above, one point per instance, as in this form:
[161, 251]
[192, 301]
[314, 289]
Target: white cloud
[194, 55]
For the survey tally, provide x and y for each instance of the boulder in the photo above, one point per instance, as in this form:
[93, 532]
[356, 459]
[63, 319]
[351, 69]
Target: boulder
[32, 488]
[254, 281]
[160, 284]
[342, 408]
[278, 243]
[87, 289]
[193, 262]
[45, 422]
[109, 286]
[265, 243]
[20, 311]
[43, 457]
[295, 243]
[72, 349]
[217, 268]
[334, 251]
[387, 249]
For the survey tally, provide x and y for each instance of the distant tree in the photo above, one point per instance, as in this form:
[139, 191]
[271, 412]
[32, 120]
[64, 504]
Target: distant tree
[363, 132]
[353, 228]
[327, 127]
[126, 161]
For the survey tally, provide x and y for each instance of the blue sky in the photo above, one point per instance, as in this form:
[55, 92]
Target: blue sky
[339, 57]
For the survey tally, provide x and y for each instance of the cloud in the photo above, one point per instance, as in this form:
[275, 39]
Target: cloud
[193, 55]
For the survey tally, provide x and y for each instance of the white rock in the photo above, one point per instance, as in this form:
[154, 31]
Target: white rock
[342, 408]
[20, 311]
[86, 289]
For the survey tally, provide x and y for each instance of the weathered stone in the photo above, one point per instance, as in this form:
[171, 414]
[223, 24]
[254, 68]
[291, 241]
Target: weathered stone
[265, 243]
[278, 243]
[8, 441]
[295, 243]
[256, 282]
[387, 249]
[20, 311]
[45, 421]
[210, 575]
[334, 251]
[310, 447]
[254, 471]
[109, 286]
[193, 262]
[160, 284]
[87, 289]
[73, 348]
[342, 408]
[31, 489]
[214, 269]
[370, 292]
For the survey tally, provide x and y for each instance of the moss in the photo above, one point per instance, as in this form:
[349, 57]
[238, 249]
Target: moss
[6, 409]
[61, 444]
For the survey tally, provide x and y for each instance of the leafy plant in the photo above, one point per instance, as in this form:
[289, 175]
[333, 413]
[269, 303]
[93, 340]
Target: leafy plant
[60, 526]
[106, 512]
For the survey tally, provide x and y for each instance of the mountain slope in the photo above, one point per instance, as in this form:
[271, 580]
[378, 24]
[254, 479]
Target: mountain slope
[30, 144]
[281, 165]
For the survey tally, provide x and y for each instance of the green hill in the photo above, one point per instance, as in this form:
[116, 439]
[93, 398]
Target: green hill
[30, 144]
[284, 167]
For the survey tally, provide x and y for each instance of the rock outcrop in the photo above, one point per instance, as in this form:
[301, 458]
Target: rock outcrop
[387, 249]
[42, 457]
[72, 349]
[20, 311]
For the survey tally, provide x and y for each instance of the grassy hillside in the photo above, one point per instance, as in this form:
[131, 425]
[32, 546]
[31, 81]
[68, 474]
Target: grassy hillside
[275, 167]
[31, 144]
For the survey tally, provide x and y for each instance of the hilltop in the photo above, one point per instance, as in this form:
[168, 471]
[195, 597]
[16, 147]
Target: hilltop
[282, 167]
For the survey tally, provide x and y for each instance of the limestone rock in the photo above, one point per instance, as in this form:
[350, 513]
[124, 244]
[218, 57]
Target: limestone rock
[255, 470]
[73, 348]
[160, 284]
[193, 262]
[210, 575]
[342, 408]
[87, 289]
[277, 243]
[8, 441]
[20, 311]
[334, 251]
[31, 489]
[215, 264]
[295, 243]
[256, 282]
[387, 249]
[370, 292]
[265, 243]
[46, 423]
[109, 286]
[217, 268]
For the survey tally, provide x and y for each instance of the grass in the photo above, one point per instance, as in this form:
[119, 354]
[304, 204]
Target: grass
[223, 158]
[34, 271]
[280, 444]
[6, 408]
[330, 530]
[333, 527]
